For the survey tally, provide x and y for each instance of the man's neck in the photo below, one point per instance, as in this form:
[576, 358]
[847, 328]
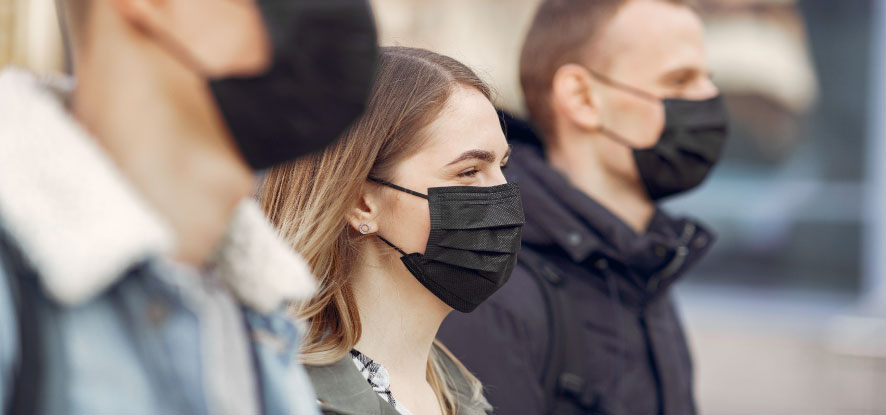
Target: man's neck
[154, 118]
[585, 164]
[400, 319]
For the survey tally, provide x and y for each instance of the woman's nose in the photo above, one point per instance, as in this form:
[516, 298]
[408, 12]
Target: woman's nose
[498, 177]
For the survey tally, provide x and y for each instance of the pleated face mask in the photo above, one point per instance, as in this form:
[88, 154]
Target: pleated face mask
[473, 244]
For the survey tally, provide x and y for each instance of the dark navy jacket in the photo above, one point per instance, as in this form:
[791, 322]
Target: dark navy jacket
[618, 283]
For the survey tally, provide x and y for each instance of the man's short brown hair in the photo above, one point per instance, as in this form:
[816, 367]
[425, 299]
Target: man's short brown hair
[562, 32]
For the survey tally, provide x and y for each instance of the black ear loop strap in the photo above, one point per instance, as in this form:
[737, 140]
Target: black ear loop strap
[391, 245]
[623, 86]
[402, 189]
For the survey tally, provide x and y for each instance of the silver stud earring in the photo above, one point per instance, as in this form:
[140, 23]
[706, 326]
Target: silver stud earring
[364, 228]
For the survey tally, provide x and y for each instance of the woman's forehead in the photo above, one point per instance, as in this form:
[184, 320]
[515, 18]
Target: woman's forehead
[467, 122]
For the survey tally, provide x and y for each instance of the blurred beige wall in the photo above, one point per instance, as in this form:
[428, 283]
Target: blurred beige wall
[484, 34]
[29, 35]
[750, 51]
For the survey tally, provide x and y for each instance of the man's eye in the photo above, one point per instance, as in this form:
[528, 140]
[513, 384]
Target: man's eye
[682, 81]
[469, 173]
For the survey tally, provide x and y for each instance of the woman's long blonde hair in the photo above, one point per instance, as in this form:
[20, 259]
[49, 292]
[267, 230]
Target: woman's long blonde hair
[309, 200]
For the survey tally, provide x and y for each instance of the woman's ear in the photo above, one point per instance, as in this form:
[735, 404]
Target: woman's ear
[364, 212]
[572, 98]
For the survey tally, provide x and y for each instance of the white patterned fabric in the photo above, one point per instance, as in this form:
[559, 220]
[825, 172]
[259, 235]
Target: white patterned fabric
[378, 378]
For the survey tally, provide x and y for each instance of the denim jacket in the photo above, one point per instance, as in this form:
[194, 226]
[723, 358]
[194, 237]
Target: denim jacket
[117, 333]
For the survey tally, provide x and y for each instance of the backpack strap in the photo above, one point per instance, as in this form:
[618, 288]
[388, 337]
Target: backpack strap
[22, 280]
[548, 279]
[565, 389]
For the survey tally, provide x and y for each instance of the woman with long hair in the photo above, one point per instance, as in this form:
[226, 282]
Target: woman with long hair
[406, 218]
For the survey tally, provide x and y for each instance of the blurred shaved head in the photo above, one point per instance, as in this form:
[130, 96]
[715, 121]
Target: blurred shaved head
[562, 32]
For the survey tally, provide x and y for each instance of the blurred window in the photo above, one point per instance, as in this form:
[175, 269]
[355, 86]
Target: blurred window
[787, 201]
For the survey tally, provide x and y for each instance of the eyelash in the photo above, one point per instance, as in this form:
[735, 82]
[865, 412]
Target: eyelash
[473, 172]
[682, 81]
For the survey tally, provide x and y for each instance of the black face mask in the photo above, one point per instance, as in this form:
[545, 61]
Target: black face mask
[324, 56]
[689, 146]
[473, 244]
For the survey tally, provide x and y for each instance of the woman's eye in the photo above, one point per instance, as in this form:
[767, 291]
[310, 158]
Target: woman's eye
[505, 166]
[469, 173]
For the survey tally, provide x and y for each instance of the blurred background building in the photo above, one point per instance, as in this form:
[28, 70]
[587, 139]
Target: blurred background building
[788, 313]
[29, 35]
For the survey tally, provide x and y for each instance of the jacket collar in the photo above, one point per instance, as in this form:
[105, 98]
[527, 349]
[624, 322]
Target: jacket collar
[82, 226]
[559, 215]
[341, 388]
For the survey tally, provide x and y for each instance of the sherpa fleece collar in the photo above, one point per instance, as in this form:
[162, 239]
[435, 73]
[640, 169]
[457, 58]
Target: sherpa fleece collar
[82, 225]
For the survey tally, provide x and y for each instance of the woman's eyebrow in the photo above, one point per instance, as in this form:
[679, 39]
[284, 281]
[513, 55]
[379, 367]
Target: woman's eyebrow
[487, 156]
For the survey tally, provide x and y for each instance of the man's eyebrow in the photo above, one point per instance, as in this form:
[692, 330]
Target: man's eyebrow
[483, 155]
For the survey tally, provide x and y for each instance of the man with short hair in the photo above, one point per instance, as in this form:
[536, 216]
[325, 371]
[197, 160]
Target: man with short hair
[620, 95]
[136, 274]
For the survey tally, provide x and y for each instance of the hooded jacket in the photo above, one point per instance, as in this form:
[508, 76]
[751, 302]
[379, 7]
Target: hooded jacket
[634, 356]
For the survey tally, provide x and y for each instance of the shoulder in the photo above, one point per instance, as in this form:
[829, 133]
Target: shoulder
[341, 389]
[470, 395]
[338, 378]
[520, 300]
[516, 313]
[521, 288]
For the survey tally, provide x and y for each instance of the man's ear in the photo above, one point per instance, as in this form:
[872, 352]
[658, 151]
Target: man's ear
[146, 15]
[572, 97]
[363, 214]
[215, 38]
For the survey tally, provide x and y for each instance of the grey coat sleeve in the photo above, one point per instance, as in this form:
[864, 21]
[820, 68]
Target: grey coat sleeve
[503, 342]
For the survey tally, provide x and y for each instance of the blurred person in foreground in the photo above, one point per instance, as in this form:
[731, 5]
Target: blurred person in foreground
[621, 97]
[135, 274]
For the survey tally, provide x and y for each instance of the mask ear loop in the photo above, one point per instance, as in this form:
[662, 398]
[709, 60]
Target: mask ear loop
[402, 189]
[391, 245]
[394, 186]
[616, 137]
[624, 87]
